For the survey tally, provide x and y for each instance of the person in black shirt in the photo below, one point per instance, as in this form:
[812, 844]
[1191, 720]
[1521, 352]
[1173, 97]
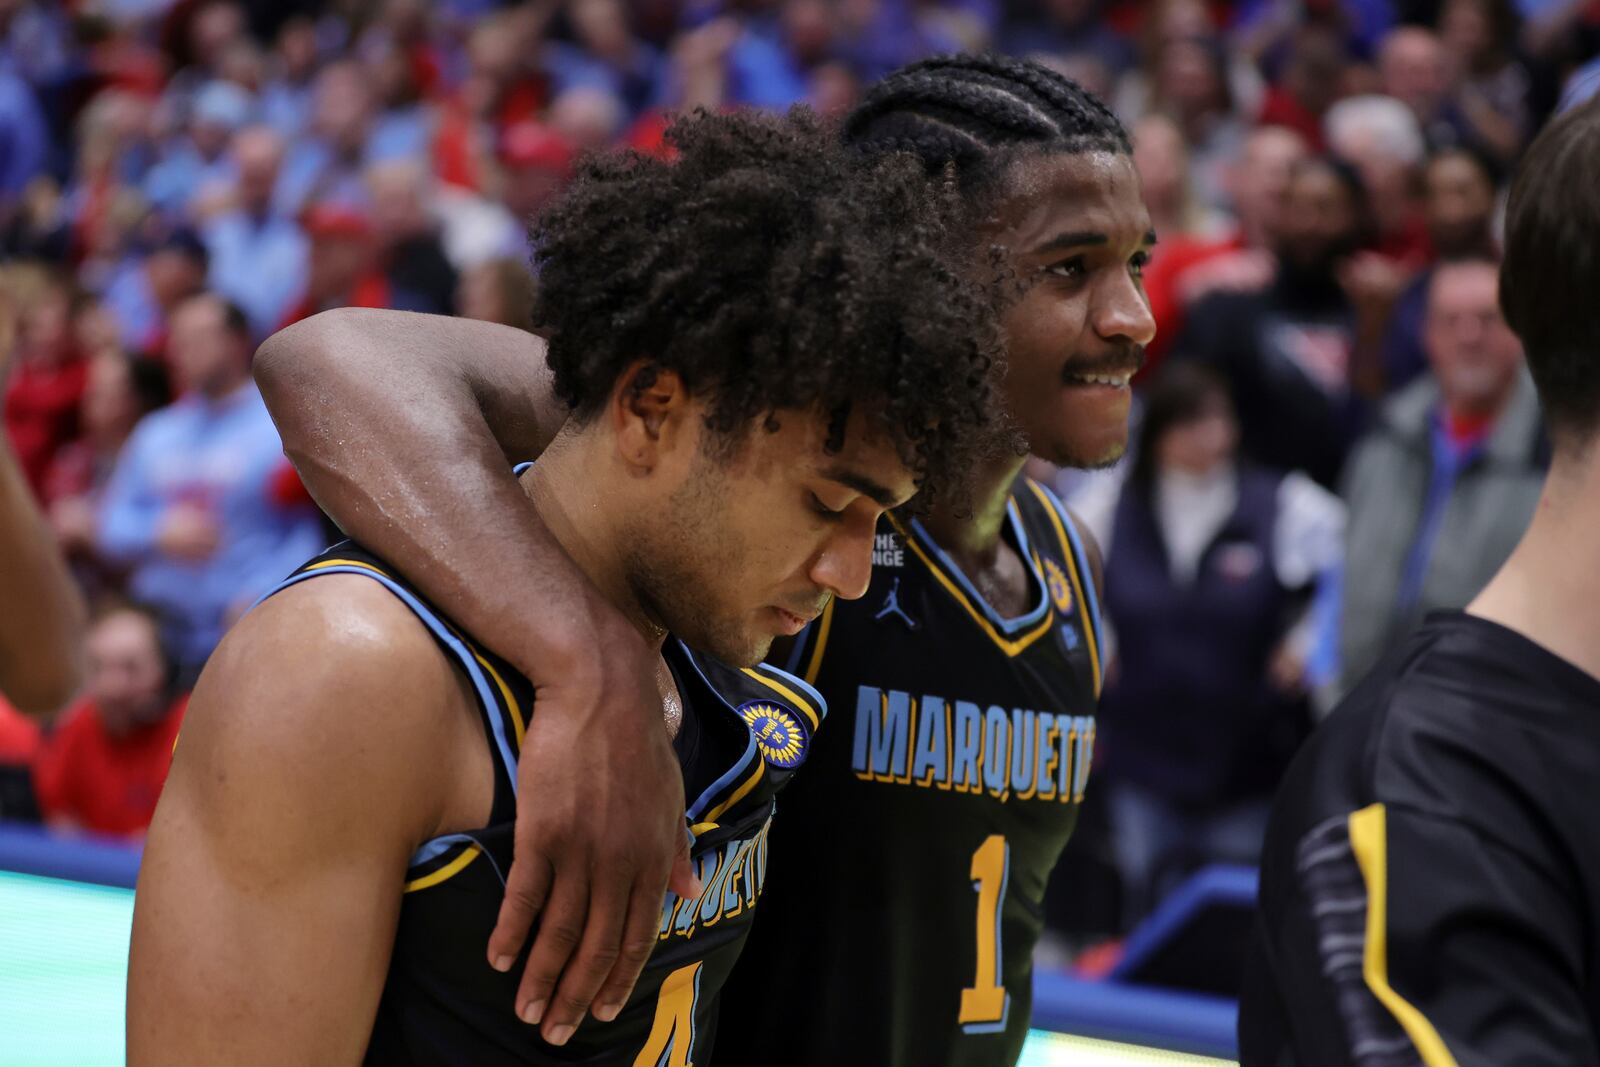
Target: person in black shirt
[1428, 889]
[1288, 350]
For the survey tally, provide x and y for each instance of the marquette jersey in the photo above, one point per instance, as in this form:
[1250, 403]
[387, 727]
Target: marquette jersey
[744, 733]
[1430, 886]
[909, 867]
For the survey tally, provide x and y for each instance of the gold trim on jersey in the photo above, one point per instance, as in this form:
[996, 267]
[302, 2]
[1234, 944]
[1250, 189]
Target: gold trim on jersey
[1369, 842]
[1011, 647]
[788, 694]
[448, 871]
[1077, 582]
[711, 817]
[824, 624]
[519, 724]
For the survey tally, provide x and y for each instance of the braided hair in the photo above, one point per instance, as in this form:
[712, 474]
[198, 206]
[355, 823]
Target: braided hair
[976, 113]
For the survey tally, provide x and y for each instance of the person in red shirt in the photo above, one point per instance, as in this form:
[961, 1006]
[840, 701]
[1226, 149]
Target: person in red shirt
[103, 766]
[47, 380]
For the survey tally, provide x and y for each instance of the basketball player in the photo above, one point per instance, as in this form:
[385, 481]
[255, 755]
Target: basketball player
[1428, 889]
[327, 859]
[908, 890]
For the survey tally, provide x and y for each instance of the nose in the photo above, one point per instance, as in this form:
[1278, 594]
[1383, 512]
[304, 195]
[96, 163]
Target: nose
[844, 566]
[1123, 312]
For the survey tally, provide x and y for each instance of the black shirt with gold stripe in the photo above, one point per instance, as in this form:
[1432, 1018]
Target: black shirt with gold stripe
[744, 734]
[1430, 884]
[910, 864]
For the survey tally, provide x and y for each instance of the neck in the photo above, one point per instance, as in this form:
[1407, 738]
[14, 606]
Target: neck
[969, 530]
[1476, 409]
[585, 522]
[1548, 590]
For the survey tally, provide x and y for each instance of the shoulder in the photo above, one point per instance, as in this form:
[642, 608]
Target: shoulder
[330, 689]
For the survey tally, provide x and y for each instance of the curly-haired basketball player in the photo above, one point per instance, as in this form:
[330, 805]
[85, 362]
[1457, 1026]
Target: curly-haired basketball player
[762, 351]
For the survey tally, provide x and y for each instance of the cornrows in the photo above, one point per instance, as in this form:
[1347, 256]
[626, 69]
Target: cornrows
[962, 109]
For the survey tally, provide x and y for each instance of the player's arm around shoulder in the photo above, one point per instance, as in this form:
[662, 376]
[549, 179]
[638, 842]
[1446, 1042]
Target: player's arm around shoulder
[308, 770]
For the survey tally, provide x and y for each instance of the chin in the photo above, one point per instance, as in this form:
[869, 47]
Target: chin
[1091, 455]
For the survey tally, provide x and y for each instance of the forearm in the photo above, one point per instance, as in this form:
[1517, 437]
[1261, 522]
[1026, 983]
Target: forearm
[404, 428]
[41, 625]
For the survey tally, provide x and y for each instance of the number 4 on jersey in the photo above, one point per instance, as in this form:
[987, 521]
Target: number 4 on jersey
[671, 1040]
[985, 1003]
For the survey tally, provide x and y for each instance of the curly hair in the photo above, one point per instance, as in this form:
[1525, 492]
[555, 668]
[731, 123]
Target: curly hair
[977, 113]
[771, 269]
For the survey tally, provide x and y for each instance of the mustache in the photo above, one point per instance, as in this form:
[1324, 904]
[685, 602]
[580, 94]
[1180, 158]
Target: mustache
[1123, 359]
[812, 607]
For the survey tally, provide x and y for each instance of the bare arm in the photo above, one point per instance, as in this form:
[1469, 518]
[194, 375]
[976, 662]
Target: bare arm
[41, 610]
[402, 426]
[272, 877]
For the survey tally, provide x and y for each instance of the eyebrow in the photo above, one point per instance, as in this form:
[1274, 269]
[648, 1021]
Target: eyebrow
[866, 486]
[1080, 238]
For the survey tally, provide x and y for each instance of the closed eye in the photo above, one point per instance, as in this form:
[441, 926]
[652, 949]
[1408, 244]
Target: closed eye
[824, 510]
[1072, 269]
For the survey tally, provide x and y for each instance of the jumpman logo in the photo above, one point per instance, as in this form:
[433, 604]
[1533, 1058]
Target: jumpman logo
[891, 606]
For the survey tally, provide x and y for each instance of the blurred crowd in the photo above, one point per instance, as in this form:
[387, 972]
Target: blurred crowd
[1335, 433]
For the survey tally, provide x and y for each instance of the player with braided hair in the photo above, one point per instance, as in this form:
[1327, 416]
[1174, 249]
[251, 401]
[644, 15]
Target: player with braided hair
[908, 872]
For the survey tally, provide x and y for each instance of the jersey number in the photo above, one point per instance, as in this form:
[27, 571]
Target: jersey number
[671, 1038]
[984, 1004]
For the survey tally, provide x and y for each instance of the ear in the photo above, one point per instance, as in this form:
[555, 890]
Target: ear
[649, 413]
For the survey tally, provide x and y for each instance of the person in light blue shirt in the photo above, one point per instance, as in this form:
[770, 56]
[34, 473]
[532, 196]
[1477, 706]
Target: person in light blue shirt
[259, 259]
[24, 140]
[194, 508]
[198, 161]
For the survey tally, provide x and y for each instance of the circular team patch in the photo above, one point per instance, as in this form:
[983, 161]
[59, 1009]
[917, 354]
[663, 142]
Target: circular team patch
[1060, 588]
[777, 731]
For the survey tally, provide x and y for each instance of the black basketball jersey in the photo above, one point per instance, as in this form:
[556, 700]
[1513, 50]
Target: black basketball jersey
[744, 733]
[1430, 885]
[909, 866]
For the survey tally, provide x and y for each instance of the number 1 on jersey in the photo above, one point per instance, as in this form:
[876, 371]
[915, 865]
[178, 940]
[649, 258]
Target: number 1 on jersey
[985, 1003]
[671, 1039]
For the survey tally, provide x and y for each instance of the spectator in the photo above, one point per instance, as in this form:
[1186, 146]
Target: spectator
[1441, 490]
[1460, 202]
[326, 167]
[1286, 350]
[286, 99]
[403, 126]
[1412, 68]
[1493, 89]
[198, 162]
[418, 275]
[497, 290]
[1184, 271]
[1062, 27]
[24, 138]
[1208, 561]
[344, 270]
[588, 116]
[1312, 75]
[1380, 138]
[258, 257]
[607, 53]
[143, 293]
[47, 374]
[1162, 160]
[536, 162]
[1192, 88]
[190, 507]
[103, 766]
[120, 392]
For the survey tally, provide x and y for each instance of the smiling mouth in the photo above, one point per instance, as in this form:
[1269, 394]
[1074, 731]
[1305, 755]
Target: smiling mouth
[1114, 381]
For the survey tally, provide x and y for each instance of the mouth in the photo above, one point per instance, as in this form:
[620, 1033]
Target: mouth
[1119, 380]
[789, 623]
